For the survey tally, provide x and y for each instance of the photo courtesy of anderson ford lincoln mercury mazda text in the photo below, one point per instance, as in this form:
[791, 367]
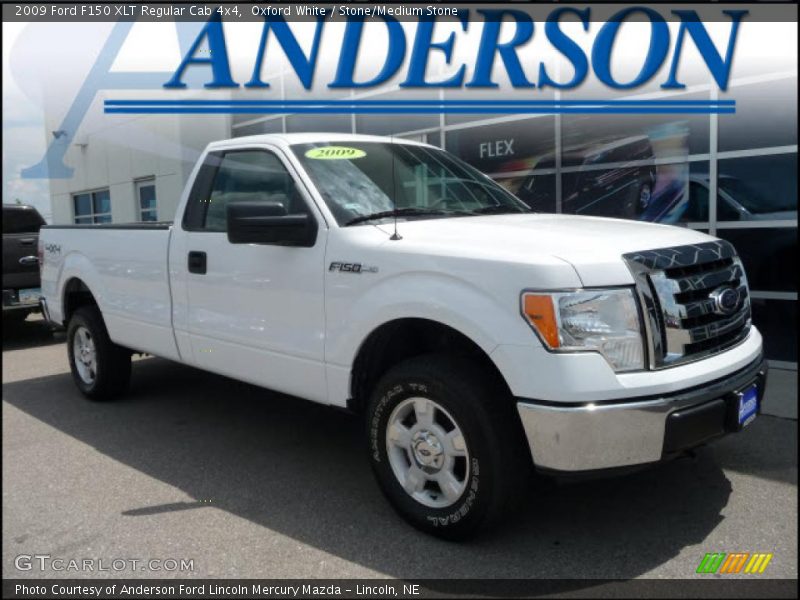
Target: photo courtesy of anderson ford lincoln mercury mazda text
[478, 340]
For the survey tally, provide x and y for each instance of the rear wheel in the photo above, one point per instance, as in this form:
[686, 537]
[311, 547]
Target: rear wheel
[100, 368]
[444, 446]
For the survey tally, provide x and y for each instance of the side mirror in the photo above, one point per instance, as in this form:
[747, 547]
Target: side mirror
[269, 223]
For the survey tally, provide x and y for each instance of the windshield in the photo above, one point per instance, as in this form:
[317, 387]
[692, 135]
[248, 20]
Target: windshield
[360, 179]
[751, 200]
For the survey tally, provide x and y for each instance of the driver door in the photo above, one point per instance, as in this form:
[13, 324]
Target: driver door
[254, 312]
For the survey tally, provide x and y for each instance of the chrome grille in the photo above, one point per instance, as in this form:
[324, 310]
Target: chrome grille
[694, 298]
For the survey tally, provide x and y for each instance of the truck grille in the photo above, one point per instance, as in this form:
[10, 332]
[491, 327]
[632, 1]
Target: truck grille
[694, 298]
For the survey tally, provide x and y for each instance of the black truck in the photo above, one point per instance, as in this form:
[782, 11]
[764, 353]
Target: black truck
[21, 285]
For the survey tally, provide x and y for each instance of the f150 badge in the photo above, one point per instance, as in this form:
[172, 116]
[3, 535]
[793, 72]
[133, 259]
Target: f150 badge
[358, 268]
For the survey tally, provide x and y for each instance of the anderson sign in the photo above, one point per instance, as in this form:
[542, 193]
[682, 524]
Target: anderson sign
[490, 51]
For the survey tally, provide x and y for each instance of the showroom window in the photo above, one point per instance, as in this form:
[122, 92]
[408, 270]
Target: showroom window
[146, 196]
[92, 207]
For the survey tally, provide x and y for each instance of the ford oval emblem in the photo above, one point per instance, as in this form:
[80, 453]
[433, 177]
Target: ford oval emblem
[726, 300]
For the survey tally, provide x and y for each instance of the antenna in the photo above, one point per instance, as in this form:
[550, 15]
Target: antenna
[395, 236]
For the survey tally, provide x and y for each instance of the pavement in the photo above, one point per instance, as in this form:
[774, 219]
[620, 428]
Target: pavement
[247, 483]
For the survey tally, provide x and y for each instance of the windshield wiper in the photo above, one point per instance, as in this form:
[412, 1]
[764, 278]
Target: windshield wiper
[397, 212]
[497, 210]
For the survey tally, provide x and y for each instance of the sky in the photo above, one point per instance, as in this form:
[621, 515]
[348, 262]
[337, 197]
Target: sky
[24, 139]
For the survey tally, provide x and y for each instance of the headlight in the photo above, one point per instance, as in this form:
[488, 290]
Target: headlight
[602, 320]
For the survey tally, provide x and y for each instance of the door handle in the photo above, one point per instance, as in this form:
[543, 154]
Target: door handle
[197, 262]
[27, 241]
[27, 261]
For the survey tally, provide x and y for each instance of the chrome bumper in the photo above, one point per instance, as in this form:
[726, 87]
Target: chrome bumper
[608, 434]
[44, 309]
[11, 302]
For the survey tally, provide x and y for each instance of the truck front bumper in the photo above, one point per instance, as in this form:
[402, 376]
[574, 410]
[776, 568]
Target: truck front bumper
[572, 437]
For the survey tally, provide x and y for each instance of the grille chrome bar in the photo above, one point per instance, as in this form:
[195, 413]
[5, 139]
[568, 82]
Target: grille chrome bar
[679, 288]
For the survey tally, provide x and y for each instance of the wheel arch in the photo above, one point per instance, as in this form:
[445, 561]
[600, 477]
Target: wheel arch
[75, 295]
[402, 338]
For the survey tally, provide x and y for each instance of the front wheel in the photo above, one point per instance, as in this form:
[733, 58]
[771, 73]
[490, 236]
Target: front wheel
[444, 445]
[100, 368]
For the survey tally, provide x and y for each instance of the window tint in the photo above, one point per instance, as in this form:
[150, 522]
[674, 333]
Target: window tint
[147, 200]
[239, 176]
[92, 207]
[697, 210]
[21, 220]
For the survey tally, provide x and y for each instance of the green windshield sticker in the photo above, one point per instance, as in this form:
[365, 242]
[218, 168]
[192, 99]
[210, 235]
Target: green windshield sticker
[335, 153]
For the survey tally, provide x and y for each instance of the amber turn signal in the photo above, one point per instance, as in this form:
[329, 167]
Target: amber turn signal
[540, 313]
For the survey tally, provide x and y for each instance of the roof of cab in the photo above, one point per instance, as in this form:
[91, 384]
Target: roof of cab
[287, 139]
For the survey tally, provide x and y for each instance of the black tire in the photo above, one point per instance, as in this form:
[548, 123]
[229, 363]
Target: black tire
[113, 363]
[499, 458]
[15, 317]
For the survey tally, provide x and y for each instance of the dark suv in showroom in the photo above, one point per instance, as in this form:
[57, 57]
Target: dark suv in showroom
[624, 190]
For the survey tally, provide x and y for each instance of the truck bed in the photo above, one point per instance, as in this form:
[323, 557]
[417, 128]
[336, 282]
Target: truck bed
[125, 266]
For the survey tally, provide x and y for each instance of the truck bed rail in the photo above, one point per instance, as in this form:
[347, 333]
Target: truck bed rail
[143, 225]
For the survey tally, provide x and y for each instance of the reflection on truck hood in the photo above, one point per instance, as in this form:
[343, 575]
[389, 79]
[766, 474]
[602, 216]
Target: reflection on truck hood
[593, 245]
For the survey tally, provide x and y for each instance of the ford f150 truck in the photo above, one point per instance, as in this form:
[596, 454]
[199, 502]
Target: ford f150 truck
[477, 339]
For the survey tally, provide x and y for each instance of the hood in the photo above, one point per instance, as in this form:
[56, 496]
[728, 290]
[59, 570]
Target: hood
[592, 245]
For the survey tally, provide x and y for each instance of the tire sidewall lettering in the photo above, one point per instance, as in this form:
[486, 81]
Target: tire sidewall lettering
[443, 517]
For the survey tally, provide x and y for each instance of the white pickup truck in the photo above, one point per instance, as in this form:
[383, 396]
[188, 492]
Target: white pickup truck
[478, 340]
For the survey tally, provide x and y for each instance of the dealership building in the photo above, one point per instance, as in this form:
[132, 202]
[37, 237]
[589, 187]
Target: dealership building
[731, 175]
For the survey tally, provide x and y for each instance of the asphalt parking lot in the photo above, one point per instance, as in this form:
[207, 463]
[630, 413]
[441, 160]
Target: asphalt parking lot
[247, 483]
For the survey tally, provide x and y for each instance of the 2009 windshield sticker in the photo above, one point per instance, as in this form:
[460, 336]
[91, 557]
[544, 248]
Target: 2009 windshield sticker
[335, 153]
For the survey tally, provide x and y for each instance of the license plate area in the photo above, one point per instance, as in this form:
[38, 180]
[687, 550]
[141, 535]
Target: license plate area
[29, 296]
[746, 406]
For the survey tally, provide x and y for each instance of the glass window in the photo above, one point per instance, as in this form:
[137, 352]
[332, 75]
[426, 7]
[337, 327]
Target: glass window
[769, 256]
[434, 138]
[92, 207]
[504, 93]
[506, 147]
[364, 178]
[758, 188]
[777, 322]
[387, 124]
[241, 176]
[146, 192]
[274, 125]
[611, 138]
[766, 115]
[537, 190]
[313, 123]
[697, 209]
[623, 192]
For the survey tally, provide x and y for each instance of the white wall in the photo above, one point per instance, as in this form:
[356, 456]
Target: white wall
[113, 151]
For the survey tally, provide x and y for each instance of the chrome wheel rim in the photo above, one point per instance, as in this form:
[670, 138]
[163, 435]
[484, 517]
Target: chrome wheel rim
[84, 355]
[427, 452]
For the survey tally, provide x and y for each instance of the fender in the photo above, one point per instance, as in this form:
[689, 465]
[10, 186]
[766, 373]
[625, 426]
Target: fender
[442, 298]
[77, 266]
